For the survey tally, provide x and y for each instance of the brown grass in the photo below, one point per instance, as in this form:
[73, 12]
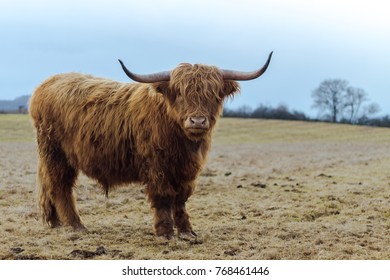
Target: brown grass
[270, 190]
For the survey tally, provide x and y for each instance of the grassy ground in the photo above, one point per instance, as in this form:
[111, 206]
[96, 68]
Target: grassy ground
[270, 190]
[15, 128]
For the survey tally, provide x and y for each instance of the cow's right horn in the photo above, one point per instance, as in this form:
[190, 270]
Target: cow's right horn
[150, 78]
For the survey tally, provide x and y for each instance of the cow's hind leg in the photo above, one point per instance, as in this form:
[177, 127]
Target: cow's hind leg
[56, 180]
[180, 215]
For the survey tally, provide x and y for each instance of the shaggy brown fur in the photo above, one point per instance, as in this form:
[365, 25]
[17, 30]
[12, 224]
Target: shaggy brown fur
[117, 133]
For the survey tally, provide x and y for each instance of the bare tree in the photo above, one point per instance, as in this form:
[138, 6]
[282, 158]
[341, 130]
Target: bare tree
[353, 99]
[370, 110]
[329, 97]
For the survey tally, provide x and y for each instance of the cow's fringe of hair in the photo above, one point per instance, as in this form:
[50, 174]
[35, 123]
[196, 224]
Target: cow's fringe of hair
[198, 82]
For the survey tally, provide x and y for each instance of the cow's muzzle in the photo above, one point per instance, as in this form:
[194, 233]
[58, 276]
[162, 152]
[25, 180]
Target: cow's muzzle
[197, 124]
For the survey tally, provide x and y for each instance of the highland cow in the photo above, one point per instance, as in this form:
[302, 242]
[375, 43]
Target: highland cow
[156, 132]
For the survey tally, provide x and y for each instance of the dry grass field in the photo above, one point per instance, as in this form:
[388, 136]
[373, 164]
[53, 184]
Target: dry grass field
[270, 190]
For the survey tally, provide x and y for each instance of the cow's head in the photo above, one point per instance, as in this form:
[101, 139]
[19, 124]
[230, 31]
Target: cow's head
[195, 93]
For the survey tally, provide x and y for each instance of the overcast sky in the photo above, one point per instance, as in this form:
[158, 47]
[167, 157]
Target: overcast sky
[312, 41]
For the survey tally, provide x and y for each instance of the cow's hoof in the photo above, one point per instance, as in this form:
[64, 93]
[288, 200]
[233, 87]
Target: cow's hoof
[165, 237]
[191, 235]
[80, 228]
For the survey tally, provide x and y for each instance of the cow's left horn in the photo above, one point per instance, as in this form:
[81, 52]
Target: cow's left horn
[245, 76]
[150, 78]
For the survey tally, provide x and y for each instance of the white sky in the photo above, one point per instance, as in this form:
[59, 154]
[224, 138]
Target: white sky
[311, 40]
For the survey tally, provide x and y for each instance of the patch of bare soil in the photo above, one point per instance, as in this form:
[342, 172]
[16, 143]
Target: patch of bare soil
[270, 190]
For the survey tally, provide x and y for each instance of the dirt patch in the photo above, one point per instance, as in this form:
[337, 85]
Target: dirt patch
[270, 190]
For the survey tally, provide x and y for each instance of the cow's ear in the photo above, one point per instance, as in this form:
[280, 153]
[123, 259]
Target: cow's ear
[164, 89]
[230, 88]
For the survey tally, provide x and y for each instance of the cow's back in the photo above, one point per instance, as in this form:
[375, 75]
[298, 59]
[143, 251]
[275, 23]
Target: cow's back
[88, 118]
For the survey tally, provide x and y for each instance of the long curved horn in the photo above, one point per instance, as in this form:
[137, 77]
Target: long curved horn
[245, 76]
[150, 78]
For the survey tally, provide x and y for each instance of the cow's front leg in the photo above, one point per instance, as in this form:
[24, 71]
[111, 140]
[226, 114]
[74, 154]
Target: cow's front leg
[163, 222]
[180, 215]
[182, 222]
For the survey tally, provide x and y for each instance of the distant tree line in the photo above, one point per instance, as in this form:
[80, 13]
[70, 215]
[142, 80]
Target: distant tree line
[335, 100]
[20, 110]
[282, 112]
